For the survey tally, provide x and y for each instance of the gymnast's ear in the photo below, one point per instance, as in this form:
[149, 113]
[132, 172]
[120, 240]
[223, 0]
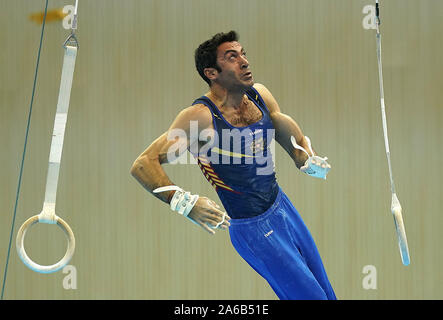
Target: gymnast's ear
[210, 73]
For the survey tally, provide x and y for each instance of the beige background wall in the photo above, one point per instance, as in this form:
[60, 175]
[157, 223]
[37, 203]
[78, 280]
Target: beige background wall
[135, 71]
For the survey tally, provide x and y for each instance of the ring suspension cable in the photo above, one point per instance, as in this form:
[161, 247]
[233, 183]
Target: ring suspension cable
[24, 152]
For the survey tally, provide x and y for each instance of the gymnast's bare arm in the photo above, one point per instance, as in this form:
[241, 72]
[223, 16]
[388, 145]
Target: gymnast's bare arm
[285, 127]
[147, 168]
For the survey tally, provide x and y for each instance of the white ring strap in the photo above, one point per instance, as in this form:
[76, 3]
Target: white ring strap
[167, 188]
[48, 213]
[297, 146]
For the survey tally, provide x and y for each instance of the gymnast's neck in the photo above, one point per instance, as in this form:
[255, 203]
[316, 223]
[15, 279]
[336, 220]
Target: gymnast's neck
[227, 97]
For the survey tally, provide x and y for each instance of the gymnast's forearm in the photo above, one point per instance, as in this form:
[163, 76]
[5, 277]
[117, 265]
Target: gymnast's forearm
[285, 127]
[148, 171]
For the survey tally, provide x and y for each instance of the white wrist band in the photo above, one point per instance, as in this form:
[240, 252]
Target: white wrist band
[312, 169]
[182, 201]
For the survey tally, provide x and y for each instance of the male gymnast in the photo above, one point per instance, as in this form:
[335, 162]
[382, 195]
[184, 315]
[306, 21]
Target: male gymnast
[238, 119]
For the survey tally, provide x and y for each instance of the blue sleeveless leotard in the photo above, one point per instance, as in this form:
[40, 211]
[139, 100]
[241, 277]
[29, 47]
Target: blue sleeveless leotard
[238, 162]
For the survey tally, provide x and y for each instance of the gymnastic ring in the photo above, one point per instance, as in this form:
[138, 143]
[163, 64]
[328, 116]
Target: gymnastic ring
[31, 264]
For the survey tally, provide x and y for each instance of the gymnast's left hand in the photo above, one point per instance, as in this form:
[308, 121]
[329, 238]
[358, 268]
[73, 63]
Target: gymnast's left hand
[316, 167]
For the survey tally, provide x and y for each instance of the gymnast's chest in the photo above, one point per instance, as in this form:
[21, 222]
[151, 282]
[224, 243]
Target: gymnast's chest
[244, 116]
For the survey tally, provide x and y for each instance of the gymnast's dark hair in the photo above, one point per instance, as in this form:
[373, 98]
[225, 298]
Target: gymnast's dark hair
[206, 53]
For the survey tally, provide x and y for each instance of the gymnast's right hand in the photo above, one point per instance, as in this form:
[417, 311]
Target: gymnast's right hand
[207, 214]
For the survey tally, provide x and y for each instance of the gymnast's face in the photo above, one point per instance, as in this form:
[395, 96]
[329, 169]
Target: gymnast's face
[235, 72]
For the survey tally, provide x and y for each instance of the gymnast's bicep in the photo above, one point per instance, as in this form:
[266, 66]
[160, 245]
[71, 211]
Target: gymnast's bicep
[183, 132]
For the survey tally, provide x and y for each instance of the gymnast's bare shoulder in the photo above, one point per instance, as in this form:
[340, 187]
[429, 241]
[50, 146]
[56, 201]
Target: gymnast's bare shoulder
[197, 114]
[268, 98]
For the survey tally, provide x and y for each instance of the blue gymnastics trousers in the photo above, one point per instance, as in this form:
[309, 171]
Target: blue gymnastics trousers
[278, 245]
